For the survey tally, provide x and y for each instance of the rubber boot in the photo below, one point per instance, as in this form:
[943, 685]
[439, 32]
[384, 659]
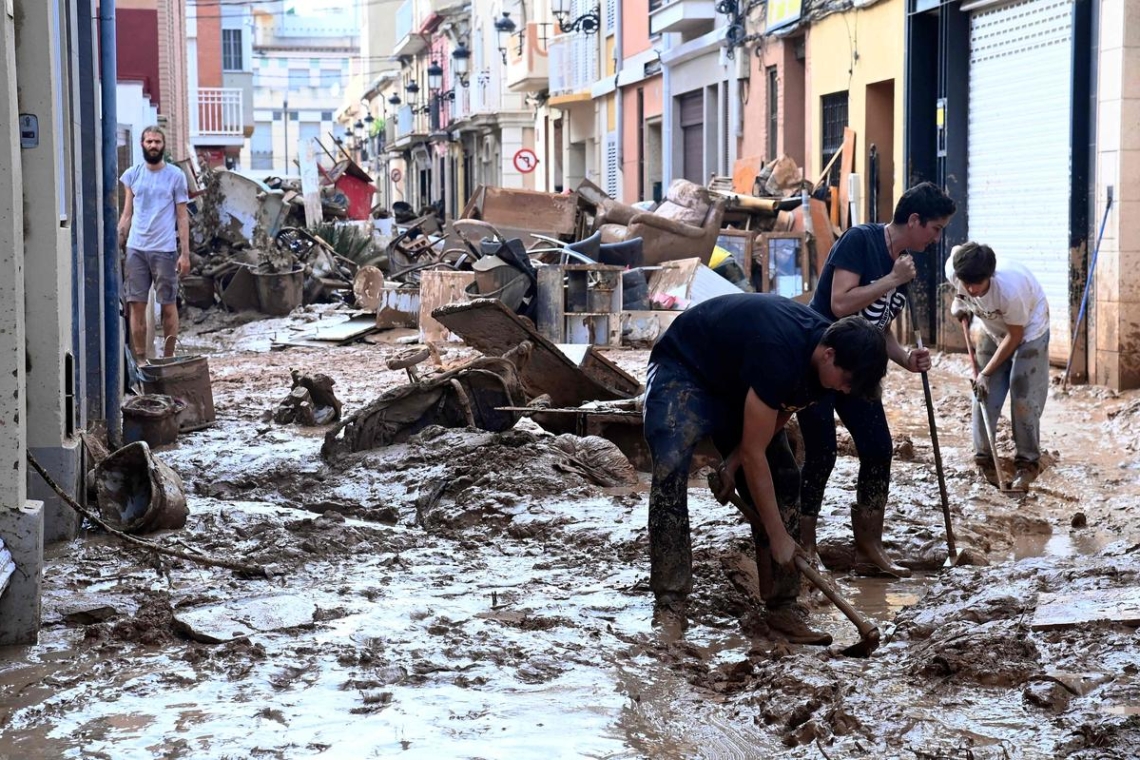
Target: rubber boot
[807, 538]
[870, 559]
[785, 617]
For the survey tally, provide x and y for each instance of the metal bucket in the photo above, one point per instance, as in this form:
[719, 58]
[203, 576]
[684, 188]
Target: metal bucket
[278, 293]
[137, 493]
[152, 418]
[185, 379]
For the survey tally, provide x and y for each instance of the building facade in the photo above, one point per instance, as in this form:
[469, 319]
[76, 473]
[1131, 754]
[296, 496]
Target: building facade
[301, 65]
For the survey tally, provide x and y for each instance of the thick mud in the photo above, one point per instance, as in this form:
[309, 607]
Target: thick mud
[469, 594]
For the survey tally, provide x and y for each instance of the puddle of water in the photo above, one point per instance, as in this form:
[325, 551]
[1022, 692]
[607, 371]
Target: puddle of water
[1065, 544]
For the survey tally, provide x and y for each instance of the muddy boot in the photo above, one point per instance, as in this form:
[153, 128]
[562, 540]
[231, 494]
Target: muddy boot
[985, 464]
[790, 621]
[670, 615]
[870, 559]
[1025, 475]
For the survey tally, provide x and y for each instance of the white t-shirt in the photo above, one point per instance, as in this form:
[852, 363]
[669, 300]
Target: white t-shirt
[1015, 297]
[157, 193]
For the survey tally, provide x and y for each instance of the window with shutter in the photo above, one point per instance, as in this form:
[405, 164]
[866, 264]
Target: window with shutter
[612, 164]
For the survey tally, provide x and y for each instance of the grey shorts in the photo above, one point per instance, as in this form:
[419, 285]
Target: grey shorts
[146, 267]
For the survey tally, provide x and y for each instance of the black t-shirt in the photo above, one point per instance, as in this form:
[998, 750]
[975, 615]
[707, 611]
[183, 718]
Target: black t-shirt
[863, 250]
[748, 340]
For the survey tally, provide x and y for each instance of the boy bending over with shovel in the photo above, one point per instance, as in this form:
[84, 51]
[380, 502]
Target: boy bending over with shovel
[1013, 353]
[736, 368]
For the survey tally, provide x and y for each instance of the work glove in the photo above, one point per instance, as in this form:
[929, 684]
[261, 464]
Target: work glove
[982, 386]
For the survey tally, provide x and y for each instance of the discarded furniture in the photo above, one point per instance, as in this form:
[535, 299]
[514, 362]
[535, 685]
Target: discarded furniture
[356, 185]
[246, 208]
[570, 375]
[516, 213]
[580, 303]
[684, 225]
[137, 493]
[438, 288]
[479, 394]
[185, 379]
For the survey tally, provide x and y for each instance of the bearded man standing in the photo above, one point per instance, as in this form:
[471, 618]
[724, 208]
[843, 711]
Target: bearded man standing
[155, 227]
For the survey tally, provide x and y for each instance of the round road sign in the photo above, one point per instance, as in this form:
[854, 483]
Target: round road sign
[525, 161]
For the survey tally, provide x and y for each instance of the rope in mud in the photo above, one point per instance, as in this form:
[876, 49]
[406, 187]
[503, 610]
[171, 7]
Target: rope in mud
[256, 571]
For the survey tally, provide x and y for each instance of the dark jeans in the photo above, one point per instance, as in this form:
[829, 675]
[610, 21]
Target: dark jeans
[867, 423]
[679, 414]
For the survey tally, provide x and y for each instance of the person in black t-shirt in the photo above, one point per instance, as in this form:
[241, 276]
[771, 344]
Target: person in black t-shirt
[736, 368]
[866, 273]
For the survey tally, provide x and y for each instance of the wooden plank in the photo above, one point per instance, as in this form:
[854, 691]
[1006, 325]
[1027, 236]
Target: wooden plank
[1065, 610]
[348, 330]
[439, 288]
[487, 325]
[846, 166]
[744, 173]
[824, 236]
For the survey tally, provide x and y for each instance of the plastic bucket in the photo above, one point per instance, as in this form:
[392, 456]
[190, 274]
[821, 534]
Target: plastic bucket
[278, 293]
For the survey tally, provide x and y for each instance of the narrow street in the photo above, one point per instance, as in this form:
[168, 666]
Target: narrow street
[511, 617]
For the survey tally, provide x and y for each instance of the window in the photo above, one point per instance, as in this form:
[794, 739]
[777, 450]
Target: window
[298, 78]
[834, 112]
[773, 111]
[232, 50]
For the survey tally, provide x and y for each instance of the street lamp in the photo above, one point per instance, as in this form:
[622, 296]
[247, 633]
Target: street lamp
[461, 62]
[505, 27]
[587, 23]
[435, 76]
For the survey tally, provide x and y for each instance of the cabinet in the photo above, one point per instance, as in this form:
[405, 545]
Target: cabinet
[580, 303]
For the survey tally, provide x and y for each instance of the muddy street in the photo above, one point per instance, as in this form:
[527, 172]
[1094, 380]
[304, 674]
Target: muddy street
[475, 594]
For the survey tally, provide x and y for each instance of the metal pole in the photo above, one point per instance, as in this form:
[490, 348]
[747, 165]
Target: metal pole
[112, 324]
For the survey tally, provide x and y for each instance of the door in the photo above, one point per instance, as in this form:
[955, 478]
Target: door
[1018, 179]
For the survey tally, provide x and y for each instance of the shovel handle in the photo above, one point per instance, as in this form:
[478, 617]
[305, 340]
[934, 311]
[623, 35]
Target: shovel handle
[861, 623]
[991, 432]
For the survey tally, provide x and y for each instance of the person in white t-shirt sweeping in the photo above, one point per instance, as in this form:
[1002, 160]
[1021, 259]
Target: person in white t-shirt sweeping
[1013, 352]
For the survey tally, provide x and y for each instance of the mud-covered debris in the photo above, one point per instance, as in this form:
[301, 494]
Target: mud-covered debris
[310, 402]
[594, 458]
[470, 396]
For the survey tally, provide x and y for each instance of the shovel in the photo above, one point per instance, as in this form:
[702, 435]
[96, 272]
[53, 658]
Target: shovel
[991, 431]
[868, 632]
[953, 556]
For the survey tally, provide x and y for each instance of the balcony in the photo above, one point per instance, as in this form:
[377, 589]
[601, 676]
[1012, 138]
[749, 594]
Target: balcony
[684, 16]
[219, 118]
[528, 61]
[573, 63]
[408, 39]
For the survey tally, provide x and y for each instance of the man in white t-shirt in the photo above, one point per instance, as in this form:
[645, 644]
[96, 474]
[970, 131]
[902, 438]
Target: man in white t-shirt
[155, 227]
[1013, 352]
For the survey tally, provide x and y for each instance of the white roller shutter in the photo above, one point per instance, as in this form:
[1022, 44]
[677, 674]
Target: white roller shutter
[1020, 145]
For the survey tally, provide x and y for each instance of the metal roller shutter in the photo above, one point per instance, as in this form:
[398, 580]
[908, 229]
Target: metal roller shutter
[1020, 146]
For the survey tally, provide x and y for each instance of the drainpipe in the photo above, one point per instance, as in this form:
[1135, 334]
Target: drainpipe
[112, 322]
[619, 109]
[666, 124]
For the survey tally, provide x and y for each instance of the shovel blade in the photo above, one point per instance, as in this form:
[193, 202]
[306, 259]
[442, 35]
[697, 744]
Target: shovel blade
[864, 646]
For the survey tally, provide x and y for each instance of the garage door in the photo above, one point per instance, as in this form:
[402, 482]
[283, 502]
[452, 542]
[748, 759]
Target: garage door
[1020, 146]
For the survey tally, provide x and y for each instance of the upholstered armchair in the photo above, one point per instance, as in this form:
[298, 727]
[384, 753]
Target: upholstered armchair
[685, 225]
